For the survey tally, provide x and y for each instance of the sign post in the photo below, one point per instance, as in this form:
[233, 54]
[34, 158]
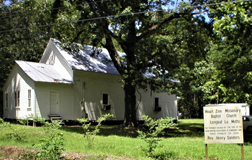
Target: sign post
[223, 124]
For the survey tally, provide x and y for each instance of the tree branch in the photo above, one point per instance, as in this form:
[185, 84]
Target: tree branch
[78, 35]
[114, 55]
[160, 24]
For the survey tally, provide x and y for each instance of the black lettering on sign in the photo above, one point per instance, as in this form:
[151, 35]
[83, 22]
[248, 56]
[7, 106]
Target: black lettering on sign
[216, 122]
[235, 121]
[215, 115]
[208, 111]
[231, 115]
[209, 137]
[220, 138]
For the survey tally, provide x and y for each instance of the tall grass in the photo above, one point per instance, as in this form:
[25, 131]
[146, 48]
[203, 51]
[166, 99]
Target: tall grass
[186, 142]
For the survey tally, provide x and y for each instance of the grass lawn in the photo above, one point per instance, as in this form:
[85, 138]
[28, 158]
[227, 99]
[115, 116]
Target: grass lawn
[185, 142]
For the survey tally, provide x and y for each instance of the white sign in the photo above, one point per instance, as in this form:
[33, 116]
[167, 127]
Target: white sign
[223, 124]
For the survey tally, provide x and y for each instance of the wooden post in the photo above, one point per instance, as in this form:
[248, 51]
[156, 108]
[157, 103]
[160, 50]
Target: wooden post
[206, 151]
[242, 152]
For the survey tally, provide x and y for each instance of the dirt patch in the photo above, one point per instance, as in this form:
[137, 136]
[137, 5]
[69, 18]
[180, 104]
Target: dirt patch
[14, 152]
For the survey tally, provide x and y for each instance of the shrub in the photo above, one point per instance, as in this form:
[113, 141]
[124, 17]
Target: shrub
[52, 146]
[51, 128]
[17, 134]
[35, 119]
[25, 121]
[90, 135]
[151, 134]
[40, 120]
[1, 120]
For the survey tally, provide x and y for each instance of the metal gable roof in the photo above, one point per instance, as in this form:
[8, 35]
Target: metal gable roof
[40, 72]
[84, 60]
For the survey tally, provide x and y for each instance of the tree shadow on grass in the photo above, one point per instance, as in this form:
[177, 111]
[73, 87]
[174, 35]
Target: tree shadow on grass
[105, 130]
[187, 130]
[182, 130]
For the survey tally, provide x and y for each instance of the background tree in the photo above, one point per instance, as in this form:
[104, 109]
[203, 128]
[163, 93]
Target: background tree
[24, 33]
[223, 75]
[11, 43]
[193, 39]
[232, 54]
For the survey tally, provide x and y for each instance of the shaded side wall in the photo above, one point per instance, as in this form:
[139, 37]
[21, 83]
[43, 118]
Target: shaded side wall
[18, 81]
[90, 86]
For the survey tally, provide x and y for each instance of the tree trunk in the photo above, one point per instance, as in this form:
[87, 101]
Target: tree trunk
[130, 105]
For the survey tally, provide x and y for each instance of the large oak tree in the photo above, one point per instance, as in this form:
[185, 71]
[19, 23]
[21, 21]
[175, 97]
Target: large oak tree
[134, 26]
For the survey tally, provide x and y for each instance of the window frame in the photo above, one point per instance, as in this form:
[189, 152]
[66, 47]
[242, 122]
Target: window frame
[107, 99]
[51, 59]
[157, 107]
[6, 100]
[29, 98]
[156, 102]
[17, 99]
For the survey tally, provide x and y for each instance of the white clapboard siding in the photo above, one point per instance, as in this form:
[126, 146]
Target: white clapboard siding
[98, 83]
[59, 62]
[18, 81]
[146, 104]
[66, 97]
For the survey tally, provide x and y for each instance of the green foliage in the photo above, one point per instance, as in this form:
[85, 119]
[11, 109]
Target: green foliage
[51, 128]
[154, 129]
[17, 134]
[31, 117]
[186, 49]
[4, 124]
[231, 53]
[114, 143]
[1, 120]
[235, 15]
[25, 121]
[40, 120]
[88, 134]
[52, 146]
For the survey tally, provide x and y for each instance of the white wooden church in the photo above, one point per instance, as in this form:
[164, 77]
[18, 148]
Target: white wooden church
[75, 86]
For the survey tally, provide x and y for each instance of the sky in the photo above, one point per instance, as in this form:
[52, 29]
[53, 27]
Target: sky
[186, 1]
[174, 6]
[7, 2]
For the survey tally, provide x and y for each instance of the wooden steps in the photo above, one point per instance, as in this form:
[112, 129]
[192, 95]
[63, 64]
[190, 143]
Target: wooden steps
[57, 117]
